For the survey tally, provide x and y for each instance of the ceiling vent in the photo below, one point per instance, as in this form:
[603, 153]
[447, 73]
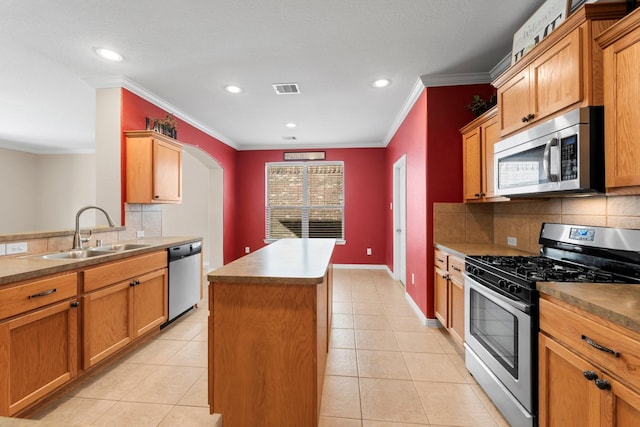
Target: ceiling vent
[286, 88]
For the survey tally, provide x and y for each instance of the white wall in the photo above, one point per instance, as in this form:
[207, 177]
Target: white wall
[200, 213]
[43, 192]
[66, 183]
[108, 153]
[18, 184]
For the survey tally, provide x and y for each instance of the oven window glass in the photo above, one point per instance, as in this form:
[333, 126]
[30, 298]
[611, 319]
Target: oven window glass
[496, 329]
[522, 169]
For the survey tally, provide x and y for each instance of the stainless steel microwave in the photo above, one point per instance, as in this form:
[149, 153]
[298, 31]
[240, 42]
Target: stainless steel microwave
[559, 156]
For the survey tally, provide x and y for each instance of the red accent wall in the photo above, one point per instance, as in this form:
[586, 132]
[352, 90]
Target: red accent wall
[430, 137]
[135, 109]
[364, 202]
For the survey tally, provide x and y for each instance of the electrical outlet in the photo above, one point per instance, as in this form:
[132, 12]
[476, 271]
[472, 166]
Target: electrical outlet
[368, 251]
[3, 249]
[16, 248]
[512, 241]
[247, 249]
[413, 279]
[140, 234]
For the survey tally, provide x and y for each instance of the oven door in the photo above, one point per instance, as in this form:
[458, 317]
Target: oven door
[499, 332]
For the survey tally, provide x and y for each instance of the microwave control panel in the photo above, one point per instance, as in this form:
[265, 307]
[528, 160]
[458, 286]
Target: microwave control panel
[569, 158]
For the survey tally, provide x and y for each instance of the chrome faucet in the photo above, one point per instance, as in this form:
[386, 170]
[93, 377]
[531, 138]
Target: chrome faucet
[78, 239]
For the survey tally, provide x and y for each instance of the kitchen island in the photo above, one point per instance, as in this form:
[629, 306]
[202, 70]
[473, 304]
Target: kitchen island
[269, 326]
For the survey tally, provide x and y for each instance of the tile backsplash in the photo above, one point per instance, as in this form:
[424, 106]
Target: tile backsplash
[495, 222]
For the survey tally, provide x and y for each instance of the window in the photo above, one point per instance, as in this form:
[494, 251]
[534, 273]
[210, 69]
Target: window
[305, 200]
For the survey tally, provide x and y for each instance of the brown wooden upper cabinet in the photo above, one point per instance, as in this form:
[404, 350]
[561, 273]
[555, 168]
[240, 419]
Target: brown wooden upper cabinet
[478, 138]
[562, 72]
[621, 44]
[154, 168]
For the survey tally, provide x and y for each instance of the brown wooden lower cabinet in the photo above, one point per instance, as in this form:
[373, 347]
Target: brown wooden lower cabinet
[579, 384]
[269, 317]
[38, 355]
[268, 349]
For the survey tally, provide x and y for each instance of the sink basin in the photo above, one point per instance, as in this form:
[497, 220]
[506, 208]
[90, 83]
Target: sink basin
[117, 247]
[74, 254]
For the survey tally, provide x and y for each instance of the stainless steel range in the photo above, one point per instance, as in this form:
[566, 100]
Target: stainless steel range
[501, 305]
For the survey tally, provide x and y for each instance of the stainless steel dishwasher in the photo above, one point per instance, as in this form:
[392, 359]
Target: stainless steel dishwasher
[185, 270]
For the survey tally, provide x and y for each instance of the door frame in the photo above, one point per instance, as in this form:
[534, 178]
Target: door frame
[399, 210]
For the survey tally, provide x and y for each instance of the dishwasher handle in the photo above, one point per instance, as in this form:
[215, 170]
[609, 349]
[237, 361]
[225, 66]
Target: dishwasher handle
[188, 249]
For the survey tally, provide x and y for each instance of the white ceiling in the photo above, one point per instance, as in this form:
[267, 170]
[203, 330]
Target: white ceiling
[182, 53]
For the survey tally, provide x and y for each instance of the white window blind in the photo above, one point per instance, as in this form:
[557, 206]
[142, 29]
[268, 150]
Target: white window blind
[305, 200]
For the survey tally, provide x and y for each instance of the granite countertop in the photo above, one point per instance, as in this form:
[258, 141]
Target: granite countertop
[464, 249]
[287, 261]
[617, 303]
[15, 269]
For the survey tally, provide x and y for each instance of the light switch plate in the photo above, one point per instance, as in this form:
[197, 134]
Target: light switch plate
[140, 234]
[3, 249]
[512, 241]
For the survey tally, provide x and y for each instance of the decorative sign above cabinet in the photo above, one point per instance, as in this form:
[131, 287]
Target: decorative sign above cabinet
[546, 19]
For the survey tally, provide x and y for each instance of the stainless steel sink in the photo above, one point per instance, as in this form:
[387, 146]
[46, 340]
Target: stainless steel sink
[91, 252]
[74, 254]
[118, 247]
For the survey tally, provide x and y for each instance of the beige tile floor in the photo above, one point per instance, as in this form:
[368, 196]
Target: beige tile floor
[384, 369]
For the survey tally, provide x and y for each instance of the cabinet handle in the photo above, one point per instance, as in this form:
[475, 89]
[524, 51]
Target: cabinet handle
[453, 267]
[75, 304]
[527, 118]
[134, 283]
[603, 384]
[590, 375]
[43, 294]
[597, 346]
[439, 260]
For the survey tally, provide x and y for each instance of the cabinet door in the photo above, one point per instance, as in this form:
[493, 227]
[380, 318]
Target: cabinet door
[149, 301]
[556, 77]
[456, 309]
[441, 294]
[622, 115]
[472, 165]
[167, 171]
[567, 397]
[514, 103]
[38, 354]
[621, 405]
[490, 135]
[106, 315]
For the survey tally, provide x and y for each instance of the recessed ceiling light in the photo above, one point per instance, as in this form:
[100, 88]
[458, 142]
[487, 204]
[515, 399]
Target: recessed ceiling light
[291, 125]
[109, 54]
[233, 89]
[381, 83]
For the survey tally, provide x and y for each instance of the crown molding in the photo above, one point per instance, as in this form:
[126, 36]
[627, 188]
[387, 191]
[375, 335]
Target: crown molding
[500, 66]
[455, 79]
[130, 85]
[417, 90]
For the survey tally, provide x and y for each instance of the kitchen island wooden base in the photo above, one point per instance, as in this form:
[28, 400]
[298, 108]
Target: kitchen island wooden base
[268, 334]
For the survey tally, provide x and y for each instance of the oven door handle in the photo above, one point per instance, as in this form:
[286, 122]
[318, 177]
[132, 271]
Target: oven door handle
[496, 297]
[552, 177]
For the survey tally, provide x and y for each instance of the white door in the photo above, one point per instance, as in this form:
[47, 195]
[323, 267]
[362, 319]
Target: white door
[400, 220]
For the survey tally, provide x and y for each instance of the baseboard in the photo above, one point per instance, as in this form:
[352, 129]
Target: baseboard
[361, 266]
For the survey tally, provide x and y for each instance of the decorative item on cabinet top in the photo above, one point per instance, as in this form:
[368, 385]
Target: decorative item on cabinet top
[546, 19]
[479, 106]
[167, 125]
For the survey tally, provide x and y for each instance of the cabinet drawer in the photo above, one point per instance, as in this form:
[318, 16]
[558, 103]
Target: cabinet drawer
[98, 277]
[440, 259]
[456, 268]
[31, 295]
[583, 333]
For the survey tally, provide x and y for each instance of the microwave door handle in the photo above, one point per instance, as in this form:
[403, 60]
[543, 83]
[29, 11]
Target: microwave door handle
[547, 160]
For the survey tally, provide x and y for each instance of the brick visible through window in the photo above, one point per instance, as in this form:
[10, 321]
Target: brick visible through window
[304, 200]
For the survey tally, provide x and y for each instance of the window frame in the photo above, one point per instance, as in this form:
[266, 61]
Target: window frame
[305, 206]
